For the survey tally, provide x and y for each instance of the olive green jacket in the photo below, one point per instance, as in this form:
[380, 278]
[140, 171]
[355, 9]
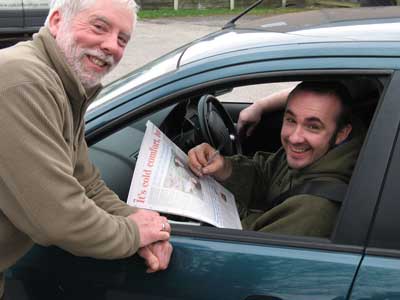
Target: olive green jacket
[50, 192]
[258, 181]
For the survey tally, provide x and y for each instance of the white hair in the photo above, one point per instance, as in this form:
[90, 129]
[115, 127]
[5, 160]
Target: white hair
[70, 8]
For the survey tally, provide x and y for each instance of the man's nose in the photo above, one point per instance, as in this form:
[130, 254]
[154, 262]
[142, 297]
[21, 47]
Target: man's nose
[111, 46]
[297, 135]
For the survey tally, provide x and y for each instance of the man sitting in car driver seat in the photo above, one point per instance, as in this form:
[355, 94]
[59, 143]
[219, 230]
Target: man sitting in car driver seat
[317, 146]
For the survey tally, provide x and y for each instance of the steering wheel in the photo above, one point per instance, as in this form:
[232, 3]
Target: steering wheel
[217, 127]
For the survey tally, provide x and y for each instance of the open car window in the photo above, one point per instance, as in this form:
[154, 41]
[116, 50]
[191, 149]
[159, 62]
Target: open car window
[116, 154]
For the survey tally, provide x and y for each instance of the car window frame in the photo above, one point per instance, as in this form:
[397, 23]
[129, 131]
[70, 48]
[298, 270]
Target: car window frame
[339, 241]
[366, 186]
[384, 232]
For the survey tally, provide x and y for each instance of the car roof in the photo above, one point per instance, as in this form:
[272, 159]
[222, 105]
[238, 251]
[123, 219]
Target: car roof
[322, 26]
[321, 18]
[324, 32]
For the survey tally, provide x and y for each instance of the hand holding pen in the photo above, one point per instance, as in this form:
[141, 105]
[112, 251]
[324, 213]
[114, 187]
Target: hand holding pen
[205, 160]
[213, 155]
[220, 147]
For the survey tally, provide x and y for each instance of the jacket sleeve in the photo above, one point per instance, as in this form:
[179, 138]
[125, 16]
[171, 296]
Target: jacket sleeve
[249, 180]
[303, 215]
[42, 197]
[96, 189]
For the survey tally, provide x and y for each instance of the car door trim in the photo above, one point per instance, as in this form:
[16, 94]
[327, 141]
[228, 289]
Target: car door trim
[261, 238]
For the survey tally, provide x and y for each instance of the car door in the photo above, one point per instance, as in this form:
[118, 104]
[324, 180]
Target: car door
[11, 16]
[211, 263]
[35, 13]
[379, 273]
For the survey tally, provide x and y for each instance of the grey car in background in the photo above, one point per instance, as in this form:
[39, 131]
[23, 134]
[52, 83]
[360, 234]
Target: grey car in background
[21, 18]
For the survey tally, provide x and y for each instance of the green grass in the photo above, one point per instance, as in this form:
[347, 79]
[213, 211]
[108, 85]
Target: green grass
[164, 13]
[170, 12]
[330, 3]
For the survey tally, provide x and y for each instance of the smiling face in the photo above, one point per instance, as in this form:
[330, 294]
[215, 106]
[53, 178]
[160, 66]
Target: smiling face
[309, 127]
[94, 41]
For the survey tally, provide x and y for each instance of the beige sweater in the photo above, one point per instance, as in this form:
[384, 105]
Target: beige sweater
[50, 192]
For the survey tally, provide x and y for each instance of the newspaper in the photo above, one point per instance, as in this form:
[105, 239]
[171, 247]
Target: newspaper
[162, 181]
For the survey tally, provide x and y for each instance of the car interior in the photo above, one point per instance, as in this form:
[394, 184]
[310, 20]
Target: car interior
[199, 116]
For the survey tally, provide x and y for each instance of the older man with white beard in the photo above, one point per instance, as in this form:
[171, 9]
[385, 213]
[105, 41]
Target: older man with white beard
[51, 194]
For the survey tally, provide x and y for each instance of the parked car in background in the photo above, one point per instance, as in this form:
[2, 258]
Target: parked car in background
[21, 18]
[360, 260]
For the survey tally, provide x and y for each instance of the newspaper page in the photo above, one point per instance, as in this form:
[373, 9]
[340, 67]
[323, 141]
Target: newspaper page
[162, 181]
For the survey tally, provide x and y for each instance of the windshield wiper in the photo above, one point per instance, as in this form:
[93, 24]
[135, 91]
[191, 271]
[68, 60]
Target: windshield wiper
[231, 23]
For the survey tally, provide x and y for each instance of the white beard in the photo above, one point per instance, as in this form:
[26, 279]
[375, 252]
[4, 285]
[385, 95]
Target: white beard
[74, 55]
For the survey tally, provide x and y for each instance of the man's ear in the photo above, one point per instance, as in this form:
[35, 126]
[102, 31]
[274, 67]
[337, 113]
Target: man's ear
[343, 134]
[55, 23]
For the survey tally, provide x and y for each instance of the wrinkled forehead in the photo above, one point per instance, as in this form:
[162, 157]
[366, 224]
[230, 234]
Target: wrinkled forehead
[72, 8]
[112, 12]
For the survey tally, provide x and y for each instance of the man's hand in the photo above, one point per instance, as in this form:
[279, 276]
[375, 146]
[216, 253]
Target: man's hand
[204, 160]
[152, 226]
[157, 256]
[248, 119]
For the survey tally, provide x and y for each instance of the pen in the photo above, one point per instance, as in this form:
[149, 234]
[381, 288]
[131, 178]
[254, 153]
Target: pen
[222, 145]
[214, 155]
[210, 159]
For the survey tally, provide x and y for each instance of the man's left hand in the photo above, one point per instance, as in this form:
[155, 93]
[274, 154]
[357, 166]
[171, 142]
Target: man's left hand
[156, 255]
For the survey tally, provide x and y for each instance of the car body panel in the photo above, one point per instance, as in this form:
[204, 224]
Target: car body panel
[378, 278]
[231, 41]
[196, 269]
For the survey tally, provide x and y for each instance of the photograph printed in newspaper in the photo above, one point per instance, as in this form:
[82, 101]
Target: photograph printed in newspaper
[163, 182]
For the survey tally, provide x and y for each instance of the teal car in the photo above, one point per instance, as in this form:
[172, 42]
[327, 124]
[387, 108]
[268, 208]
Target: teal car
[236, 65]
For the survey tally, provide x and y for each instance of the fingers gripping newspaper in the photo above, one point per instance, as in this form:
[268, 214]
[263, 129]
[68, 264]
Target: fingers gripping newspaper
[162, 181]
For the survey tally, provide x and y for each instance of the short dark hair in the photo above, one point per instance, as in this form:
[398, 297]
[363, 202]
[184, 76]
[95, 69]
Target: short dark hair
[334, 88]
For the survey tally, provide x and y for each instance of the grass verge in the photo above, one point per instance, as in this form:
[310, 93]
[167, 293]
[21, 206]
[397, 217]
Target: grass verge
[166, 12]
[266, 11]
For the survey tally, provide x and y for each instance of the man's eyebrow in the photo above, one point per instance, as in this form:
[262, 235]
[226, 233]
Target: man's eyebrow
[126, 35]
[310, 119]
[288, 111]
[100, 18]
[314, 119]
